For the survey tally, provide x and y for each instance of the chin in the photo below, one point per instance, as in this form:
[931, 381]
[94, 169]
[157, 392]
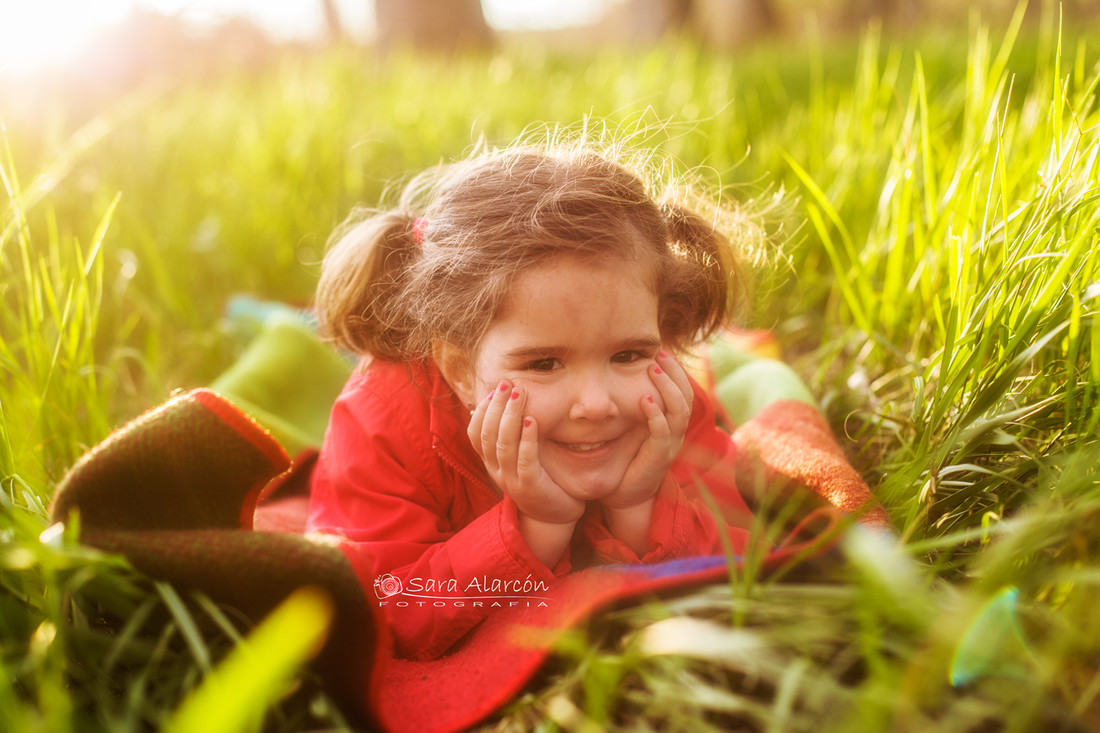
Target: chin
[590, 490]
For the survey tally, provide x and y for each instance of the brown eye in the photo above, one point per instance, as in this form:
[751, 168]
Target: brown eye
[627, 357]
[543, 365]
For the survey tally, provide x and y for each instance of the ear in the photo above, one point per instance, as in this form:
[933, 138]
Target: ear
[456, 369]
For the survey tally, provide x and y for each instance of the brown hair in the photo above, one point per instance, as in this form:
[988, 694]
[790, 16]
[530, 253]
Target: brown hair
[388, 292]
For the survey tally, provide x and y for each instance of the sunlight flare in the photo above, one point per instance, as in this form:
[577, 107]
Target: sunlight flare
[51, 32]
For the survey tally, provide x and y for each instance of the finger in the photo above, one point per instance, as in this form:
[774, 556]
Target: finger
[550, 502]
[477, 421]
[659, 429]
[508, 433]
[528, 468]
[676, 372]
[490, 427]
[671, 397]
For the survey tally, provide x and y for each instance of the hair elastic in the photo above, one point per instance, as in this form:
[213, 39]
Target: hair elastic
[418, 229]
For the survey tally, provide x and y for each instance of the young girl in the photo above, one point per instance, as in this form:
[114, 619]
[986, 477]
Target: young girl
[520, 411]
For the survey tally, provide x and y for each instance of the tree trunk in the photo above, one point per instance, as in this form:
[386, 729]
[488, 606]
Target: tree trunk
[735, 23]
[761, 15]
[651, 20]
[856, 15]
[436, 26]
[334, 27]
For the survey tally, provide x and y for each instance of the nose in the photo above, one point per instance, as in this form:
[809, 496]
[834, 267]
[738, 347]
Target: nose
[592, 399]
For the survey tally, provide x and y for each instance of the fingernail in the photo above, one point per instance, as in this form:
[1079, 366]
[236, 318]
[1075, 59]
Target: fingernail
[515, 394]
[657, 369]
[650, 398]
[503, 387]
[526, 422]
[662, 353]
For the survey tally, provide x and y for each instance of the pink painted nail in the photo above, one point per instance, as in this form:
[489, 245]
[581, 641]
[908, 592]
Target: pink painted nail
[650, 398]
[515, 394]
[662, 353]
[657, 369]
[503, 387]
[526, 422]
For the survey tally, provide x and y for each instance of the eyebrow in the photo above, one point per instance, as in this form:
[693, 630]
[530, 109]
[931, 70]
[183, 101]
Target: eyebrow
[534, 352]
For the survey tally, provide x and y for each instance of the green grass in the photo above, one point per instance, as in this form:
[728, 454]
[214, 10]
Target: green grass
[939, 208]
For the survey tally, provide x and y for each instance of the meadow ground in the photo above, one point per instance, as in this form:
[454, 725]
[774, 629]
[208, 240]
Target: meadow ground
[934, 213]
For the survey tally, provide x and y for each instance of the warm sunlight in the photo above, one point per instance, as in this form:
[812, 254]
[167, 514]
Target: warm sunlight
[47, 32]
[43, 33]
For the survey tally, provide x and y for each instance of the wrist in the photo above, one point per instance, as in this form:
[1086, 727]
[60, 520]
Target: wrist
[626, 513]
[544, 525]
[631, 524]
[547, 540]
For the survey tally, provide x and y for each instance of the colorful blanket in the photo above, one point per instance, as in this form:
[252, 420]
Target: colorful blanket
[201, 492]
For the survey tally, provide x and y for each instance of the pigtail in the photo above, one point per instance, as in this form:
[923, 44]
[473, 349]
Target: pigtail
[704, 281]
[358, 303]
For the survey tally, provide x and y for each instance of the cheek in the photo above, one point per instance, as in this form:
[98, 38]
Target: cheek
[482, 390]
[544, 403]
[485, 378]
[634, 388]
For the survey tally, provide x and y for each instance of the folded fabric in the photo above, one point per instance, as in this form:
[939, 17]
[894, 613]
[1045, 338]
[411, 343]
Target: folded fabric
[191, 490]
[175, 491]
[287, 378]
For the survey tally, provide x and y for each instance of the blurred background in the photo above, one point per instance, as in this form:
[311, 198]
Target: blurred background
[108, 45]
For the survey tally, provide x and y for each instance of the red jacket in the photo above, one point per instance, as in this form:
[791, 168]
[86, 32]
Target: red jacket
[436, 540]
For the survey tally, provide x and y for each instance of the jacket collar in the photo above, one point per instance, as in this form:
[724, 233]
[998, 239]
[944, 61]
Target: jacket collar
[448, 420]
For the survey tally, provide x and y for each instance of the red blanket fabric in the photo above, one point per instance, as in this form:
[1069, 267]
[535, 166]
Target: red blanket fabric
[176, 492]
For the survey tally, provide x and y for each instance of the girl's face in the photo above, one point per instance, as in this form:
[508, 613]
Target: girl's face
[576, 337]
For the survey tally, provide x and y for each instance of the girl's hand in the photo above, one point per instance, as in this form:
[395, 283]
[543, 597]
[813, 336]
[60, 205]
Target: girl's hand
[507, 442]
[668, 413]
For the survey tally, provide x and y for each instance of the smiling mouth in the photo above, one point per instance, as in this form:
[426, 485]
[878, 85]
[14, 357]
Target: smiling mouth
[583, 447]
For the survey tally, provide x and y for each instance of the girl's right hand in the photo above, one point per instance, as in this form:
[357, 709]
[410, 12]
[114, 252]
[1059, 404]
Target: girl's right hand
[507, 443]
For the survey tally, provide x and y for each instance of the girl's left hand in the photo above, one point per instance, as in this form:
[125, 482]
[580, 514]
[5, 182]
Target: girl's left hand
[668, 413]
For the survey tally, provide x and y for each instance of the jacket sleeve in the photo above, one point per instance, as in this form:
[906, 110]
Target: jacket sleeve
[379, 486]
[683, 522]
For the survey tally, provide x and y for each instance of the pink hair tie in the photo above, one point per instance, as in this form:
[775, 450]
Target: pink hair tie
[419, 223]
